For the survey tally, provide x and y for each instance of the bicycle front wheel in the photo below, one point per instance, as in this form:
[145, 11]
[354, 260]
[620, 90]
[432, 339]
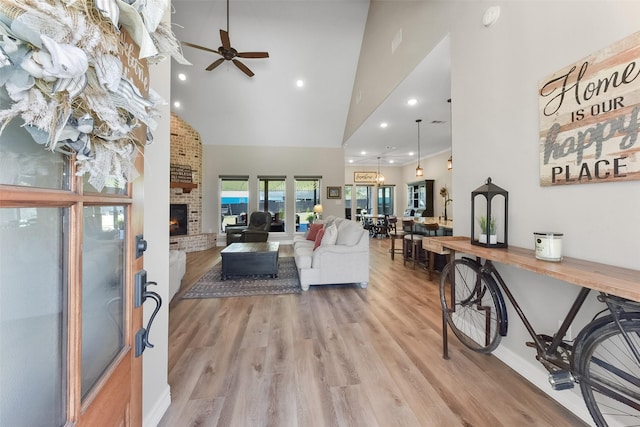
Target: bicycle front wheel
[471, 305]
[609, 372]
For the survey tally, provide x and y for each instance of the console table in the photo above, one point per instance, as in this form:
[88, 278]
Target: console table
[619, 281]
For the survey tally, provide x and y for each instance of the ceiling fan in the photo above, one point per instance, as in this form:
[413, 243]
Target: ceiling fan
[228, 53]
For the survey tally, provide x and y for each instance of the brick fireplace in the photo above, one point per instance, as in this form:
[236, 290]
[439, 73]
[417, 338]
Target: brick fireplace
[186, 153]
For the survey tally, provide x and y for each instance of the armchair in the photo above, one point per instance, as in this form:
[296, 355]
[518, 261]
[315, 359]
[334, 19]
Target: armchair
[258, 228]
[256, 231]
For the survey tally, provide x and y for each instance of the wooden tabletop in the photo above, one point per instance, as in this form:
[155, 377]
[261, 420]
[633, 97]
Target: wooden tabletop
[623, 282]
[448, 224]
[241, 247]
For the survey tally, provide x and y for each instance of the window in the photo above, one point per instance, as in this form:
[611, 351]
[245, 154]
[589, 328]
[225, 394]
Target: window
[385, 200]
[234, 201]
[272, 199]
[364, 198]
[307, 196]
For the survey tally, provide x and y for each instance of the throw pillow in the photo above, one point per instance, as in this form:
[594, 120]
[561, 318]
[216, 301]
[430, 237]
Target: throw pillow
[330, 235]
[313, 231]
[318, 238]
[350, 234]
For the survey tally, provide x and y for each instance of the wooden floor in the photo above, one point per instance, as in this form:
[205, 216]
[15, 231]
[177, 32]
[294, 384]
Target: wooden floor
[337, 356]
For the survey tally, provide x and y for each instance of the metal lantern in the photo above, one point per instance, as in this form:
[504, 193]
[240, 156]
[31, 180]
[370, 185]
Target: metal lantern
[489, 216]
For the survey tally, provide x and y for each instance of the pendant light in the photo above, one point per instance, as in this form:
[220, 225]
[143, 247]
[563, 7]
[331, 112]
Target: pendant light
[379, 177]
[419, 170]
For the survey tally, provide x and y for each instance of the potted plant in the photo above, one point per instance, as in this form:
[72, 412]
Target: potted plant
[444, 192]
[488, 227]
[310, 218]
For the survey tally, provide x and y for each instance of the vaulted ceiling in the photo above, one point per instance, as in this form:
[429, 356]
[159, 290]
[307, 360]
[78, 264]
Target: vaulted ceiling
[317, 42]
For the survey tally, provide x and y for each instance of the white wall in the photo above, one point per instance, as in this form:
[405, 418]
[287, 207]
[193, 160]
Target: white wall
[155, 387]
[280, 161]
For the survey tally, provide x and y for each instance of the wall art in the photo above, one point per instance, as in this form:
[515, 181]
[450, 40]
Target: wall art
[589, 118]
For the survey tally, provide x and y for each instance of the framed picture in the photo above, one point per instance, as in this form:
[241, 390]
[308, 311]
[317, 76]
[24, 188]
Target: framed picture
[334, 192]
[364, 177]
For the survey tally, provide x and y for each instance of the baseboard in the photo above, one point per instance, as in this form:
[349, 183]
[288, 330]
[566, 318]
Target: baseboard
[153, 417]
[537, 375]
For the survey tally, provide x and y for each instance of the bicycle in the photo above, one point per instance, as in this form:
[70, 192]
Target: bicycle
[604, 359]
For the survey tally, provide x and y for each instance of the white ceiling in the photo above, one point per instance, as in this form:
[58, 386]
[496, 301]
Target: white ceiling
[318, 42]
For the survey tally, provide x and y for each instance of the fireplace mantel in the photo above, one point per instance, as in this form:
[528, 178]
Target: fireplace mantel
[186, 186]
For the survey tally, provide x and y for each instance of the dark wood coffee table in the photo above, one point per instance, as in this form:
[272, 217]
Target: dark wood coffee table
[247, 259]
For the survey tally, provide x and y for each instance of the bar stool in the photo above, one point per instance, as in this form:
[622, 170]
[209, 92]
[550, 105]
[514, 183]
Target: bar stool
[394, 233]
[411, 243]
[434, 248]
[431, 229]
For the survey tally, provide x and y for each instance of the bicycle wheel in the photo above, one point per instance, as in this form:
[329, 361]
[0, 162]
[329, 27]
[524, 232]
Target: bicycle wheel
[608, 372]
[471, 304]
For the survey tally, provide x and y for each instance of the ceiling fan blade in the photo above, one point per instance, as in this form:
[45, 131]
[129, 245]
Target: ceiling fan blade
[200, 47]
[224, 37]
[215, 64]
[253, 54]
[244, 68]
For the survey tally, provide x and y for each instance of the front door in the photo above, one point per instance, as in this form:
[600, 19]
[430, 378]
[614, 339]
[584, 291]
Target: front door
[68, 264]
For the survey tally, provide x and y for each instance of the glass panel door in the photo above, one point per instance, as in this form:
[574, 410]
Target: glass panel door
[385, 200]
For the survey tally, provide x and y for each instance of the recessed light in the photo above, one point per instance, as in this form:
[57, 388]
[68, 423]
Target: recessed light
[182, 76]
[412, 101]
[299, 83]
[411, 153]
[177, 104]
[350, 160]
[383, 125]
[363, 152]
[390, 161]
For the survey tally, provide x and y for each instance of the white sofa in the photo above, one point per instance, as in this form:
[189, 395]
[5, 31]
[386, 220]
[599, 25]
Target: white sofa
[177, 268]
[341, 258]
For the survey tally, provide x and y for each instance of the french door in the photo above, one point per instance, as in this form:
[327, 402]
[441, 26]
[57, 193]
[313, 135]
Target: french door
[67, 317]
[69, 259]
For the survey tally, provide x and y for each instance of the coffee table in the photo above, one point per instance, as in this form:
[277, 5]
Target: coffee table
[247, 259]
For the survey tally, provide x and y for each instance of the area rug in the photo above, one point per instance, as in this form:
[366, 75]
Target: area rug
[211, 286]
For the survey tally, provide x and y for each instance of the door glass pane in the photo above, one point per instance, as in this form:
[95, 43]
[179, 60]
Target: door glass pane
[33, 338]
[27, 163]
[111, 186]
[103, 275]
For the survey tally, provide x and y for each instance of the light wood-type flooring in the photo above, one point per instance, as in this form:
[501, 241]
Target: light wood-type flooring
[337, 356]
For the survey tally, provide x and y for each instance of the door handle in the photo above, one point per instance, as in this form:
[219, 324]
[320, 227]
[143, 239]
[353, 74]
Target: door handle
[141, 295]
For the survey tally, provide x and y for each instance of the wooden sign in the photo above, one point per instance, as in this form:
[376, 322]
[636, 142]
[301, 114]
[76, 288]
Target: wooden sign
[364, 177]
[589, 118]
[180, 173]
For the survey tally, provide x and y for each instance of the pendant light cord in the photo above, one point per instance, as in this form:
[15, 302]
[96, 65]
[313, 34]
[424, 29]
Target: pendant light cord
[418, 122]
